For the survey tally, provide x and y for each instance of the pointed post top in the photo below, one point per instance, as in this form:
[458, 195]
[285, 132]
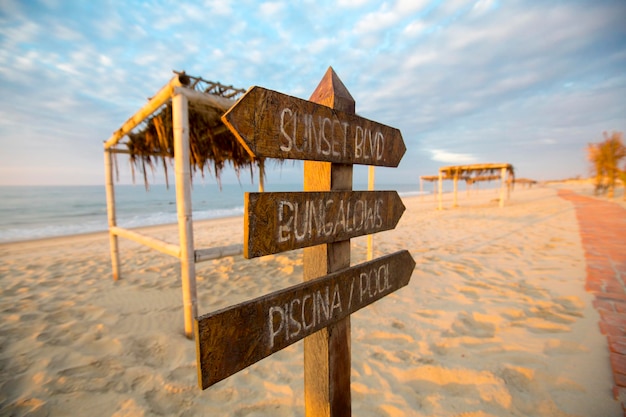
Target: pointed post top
[333, 93]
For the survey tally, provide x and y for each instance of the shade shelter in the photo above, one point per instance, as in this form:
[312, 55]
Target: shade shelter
[524, 182]
[473, 173]
[181, 122]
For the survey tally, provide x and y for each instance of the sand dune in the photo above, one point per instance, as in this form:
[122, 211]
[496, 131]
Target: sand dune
[495, 322]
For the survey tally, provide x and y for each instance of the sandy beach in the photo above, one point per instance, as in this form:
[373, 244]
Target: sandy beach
[494, 322]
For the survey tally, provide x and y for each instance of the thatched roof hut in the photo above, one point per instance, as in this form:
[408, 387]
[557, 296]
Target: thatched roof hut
[524, 181]
[182, 122]
[150, 141]
[475, 173]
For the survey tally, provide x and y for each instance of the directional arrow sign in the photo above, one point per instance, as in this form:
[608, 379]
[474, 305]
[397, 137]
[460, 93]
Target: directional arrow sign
[234, 338]
[274, 125]
[282, 221]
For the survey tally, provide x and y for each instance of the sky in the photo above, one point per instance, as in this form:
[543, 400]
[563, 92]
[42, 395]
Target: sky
[525, 82]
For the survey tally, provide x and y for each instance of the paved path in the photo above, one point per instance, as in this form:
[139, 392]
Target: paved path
[603, 232]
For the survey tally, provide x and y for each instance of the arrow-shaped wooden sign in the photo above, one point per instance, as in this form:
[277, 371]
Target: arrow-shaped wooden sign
[234, 338]
[281, 221]
[274, 125]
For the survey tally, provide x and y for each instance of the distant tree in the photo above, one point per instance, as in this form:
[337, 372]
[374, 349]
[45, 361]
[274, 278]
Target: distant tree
[605, 158]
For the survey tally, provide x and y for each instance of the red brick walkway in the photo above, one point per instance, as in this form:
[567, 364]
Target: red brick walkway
[603, 232]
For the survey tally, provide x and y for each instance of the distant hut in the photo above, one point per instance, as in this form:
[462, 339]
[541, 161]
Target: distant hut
[475, 173]
[524, 181]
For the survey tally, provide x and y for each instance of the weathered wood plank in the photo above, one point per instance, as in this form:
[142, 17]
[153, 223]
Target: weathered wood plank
[270, 124]
[327, 354]
[281, 221]
[234, 338]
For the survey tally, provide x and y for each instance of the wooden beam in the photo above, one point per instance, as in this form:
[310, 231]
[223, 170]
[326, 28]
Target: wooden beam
[440, 191]
[161, 97]
[111, 217]
[456, 187]
[160, 245]
[502, 185]
[202, 255]
[210, 100]
[327, 359]
[180, 116]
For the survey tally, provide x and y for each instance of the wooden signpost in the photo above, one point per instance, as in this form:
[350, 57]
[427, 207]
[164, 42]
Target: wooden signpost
[282, 221]
[238, 336]
[327, 134]
[274, 125]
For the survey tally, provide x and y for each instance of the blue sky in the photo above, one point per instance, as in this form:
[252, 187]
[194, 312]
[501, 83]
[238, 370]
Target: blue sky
[524, 82]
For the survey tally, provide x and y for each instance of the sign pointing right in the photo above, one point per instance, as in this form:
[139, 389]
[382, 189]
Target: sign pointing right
[281, 221]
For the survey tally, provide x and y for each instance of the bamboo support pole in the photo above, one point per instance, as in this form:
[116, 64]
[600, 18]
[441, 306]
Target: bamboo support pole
[111, 217]
[456, 187]
[160, 245]
[502, 185]
[211, 100]
[440, 191]
[180, 116]
[160, 98]
[370, 186]
[202, 255]
[261, 175]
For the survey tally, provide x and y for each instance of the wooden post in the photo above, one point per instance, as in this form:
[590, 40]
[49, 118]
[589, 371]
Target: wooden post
[261, 175]
[180, 116]
[421, 188]
[370, 237]
[110, 195]
[456, 187]
[502, 185]
[327, 361]
[440, 191]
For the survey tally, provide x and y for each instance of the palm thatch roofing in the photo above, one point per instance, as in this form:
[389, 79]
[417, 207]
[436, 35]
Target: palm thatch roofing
[149, 139]
[472, 173]
[526, 181]
[433, 178]
[476, 172]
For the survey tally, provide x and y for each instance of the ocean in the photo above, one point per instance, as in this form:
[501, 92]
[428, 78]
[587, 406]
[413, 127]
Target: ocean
[34, 212]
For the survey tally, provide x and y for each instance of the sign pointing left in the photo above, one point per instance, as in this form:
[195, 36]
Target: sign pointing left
[274, 125]
[234, 338]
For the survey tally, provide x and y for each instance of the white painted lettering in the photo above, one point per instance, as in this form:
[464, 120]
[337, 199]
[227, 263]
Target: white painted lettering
[273, 331]
[284, 229]
[285, 147]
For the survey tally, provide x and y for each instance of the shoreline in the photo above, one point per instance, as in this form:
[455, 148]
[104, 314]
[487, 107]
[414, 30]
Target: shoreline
[105, 233]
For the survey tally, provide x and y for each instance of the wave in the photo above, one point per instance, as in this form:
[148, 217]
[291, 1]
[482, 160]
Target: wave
[29, 231]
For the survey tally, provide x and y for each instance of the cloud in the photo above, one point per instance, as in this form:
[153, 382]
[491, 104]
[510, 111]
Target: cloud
[440, 155]
[270, 10]
[483, 80]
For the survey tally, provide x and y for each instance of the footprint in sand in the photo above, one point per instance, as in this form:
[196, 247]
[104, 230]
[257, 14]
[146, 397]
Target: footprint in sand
[553, 316]
[100, 376]
[563, 347]
[473, 324]
[524, 383]
[571, 305]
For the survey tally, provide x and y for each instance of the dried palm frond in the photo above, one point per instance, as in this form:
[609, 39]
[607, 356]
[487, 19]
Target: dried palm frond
[212, 146]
